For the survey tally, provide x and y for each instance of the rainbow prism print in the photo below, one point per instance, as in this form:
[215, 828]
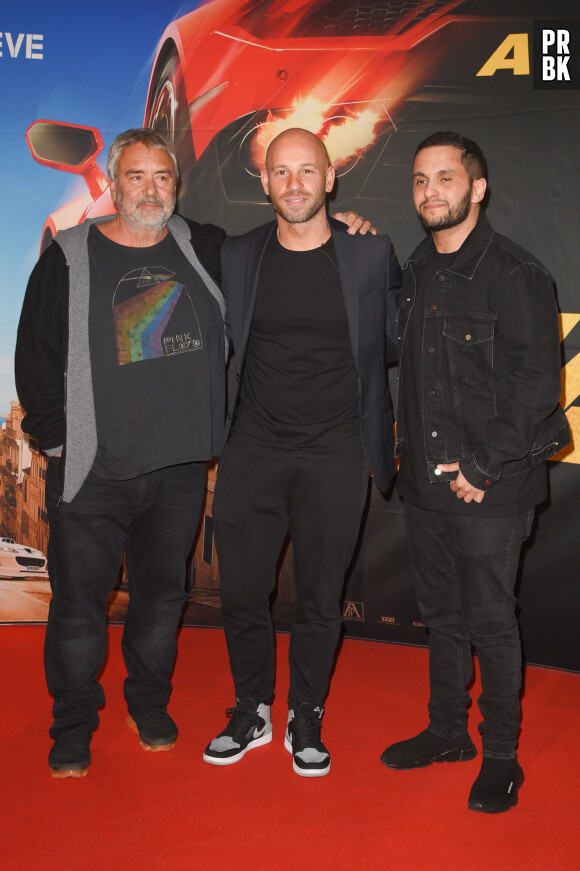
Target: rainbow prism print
[141, 320]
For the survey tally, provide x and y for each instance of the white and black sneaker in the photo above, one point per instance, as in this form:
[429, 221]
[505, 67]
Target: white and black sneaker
[311, 757]
[249, 727]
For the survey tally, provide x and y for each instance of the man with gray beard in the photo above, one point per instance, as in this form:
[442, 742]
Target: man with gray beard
[120, 367]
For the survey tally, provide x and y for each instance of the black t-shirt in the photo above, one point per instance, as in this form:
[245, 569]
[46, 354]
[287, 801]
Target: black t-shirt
[509, 495]
[299, 388]
[150, 327]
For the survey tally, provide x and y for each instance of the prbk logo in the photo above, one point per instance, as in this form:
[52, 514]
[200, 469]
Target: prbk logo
[556, 55]
[354, 611]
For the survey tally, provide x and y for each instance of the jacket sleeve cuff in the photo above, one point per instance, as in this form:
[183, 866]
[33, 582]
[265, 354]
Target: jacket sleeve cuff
[52, 452]
[476, 476]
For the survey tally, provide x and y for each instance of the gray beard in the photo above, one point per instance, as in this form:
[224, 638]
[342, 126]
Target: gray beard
[142, 222]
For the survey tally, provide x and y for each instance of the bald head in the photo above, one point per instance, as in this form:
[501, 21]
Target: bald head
[297, 177]
[296, 138]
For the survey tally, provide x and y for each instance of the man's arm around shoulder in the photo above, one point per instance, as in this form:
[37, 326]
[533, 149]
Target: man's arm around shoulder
[207, 240]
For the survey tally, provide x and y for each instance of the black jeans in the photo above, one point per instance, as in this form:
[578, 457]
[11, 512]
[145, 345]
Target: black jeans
[464, 574]
[258, 501]
[153, 518]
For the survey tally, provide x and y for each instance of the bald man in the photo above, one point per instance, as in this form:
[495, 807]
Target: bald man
[311, 314]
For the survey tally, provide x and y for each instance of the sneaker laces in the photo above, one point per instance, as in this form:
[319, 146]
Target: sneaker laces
[240, 722]
[306, 732]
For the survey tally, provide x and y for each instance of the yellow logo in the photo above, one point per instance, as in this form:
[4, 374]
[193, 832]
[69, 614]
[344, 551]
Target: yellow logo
[513, 54]
[570, 392]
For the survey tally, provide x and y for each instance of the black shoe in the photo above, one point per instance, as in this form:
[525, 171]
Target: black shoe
[496, 787]
[156, 729]
[310, 757]
[70, 755]
[427, 747]
[249, 727]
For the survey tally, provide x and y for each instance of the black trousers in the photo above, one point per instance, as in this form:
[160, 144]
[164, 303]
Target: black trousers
[153, 518]
[258, 501]
[464, 574]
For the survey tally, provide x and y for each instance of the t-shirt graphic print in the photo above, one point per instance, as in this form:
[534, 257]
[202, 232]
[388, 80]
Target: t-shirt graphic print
[153, 316]
[148, 306]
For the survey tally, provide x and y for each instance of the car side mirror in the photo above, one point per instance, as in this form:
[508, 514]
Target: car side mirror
[69, 148]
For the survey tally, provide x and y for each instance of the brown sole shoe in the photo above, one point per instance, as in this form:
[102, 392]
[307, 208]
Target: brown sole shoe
[70, 772]
[70, 754]
[154, 748]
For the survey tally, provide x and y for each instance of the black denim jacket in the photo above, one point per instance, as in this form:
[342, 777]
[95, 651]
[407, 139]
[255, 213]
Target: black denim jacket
[491, 360]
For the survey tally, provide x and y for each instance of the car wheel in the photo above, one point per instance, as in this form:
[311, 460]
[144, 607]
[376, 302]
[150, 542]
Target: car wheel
[168, 112]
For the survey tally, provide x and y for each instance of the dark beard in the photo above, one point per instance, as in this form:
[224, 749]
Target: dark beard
[453, 217]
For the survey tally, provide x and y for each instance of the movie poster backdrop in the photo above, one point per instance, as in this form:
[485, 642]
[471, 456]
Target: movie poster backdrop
[220, 79]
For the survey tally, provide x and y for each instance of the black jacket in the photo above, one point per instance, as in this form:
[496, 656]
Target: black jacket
[491, 360]
[370, 279]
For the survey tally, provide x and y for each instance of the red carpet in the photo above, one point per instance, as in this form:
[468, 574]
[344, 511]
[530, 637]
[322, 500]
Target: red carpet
[138, 810]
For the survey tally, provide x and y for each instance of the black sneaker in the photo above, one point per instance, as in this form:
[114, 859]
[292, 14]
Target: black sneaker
[496, 787]
[311, 757]
[249, 727]
[70, 754]
[427, 747]
[157, 731]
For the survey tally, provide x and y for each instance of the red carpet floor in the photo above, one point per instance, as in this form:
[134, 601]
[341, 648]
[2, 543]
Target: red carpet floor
[138, 810]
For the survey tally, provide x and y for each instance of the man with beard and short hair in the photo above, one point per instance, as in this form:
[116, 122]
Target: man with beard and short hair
[478, 415]
[309, 310]
[120, 366]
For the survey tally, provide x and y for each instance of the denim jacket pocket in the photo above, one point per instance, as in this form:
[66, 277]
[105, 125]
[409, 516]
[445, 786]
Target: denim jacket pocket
[470, 348]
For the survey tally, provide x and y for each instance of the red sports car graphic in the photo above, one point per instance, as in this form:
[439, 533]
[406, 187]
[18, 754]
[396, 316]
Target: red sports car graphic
[230, 75]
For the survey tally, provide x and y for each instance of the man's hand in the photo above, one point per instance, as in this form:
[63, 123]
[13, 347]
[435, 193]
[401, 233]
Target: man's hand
[356, 224]
[461, 486]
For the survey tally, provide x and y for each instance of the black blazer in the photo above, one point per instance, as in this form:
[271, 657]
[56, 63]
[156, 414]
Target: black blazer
[370, 278]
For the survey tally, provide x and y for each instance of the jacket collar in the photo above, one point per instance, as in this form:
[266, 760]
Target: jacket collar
[468, 256]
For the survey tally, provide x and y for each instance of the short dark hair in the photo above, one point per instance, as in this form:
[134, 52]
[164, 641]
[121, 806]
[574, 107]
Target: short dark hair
[145, 136]
[471, 154]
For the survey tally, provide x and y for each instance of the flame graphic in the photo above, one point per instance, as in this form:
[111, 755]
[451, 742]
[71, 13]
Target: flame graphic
[350, 137]
[347, 133]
